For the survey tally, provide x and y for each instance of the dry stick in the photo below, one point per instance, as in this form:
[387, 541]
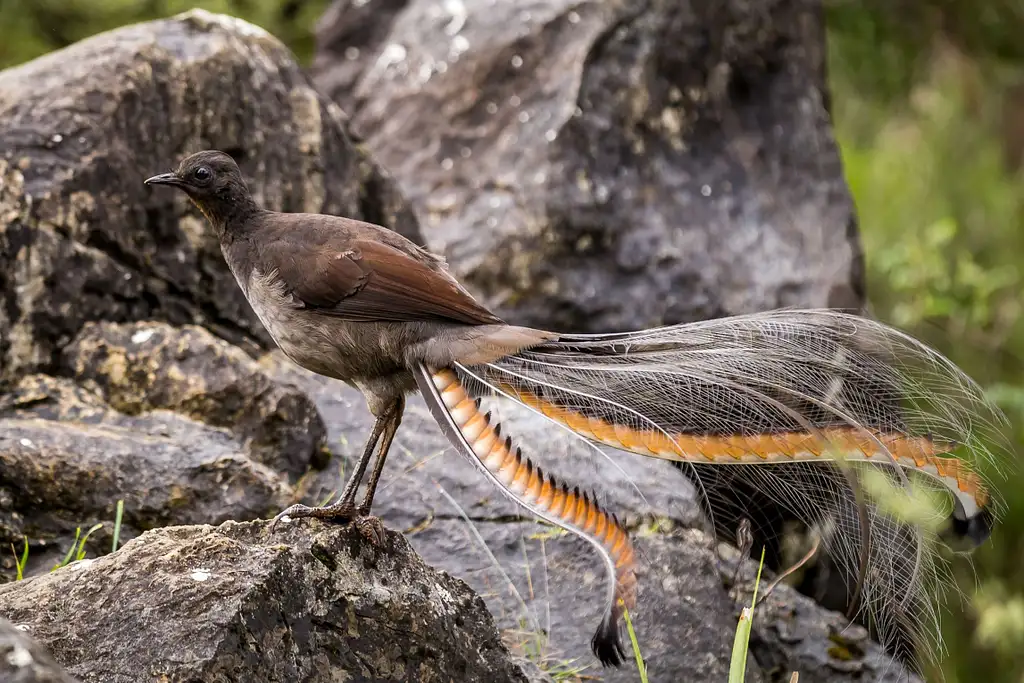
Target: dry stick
[783, 575]
[744, 541]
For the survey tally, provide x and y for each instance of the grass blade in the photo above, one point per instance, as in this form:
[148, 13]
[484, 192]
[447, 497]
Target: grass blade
[22, 561]
[640, 666]
[738, 664]
[71, 551]
[117, 525]
[80, 554]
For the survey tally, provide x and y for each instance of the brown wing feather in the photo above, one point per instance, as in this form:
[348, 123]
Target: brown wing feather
[367, 280]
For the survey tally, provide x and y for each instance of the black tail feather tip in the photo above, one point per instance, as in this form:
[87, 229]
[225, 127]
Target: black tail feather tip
[975, 530]
[607, 643]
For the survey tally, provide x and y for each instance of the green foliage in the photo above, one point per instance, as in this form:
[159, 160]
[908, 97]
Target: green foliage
[919, 505]
[942, 224]
[1000, 619]
[887, 43]
[940, 219]
[30, 28]
[77, 550]
[20, 562]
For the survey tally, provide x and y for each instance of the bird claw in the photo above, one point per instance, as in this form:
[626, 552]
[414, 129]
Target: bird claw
[369, 526]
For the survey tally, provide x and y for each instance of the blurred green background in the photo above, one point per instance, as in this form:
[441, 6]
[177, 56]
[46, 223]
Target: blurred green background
[928, 100]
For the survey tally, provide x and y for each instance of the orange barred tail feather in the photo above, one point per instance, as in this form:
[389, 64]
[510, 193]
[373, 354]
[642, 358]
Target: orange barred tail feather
[471, 431]
[916, 453]
[784, 400]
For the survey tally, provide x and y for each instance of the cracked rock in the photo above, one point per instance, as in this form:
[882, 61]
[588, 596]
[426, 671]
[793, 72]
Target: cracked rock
[146, 366]
[238, 603]
[66, 458]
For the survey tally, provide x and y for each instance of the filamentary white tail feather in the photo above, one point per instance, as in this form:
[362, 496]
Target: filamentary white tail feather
[805, 408]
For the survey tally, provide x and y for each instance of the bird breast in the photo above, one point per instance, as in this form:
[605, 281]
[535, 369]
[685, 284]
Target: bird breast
[315, 342]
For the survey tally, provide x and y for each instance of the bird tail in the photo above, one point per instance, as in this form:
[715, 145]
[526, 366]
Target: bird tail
[477, 436]
[832, 416]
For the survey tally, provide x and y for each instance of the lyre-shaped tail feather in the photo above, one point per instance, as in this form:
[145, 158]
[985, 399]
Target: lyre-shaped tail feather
[471, 431]
[790, 397]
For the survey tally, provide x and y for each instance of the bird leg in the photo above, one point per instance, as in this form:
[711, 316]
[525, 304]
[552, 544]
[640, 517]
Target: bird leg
[367, 524]
[345, 510]
[382, 454]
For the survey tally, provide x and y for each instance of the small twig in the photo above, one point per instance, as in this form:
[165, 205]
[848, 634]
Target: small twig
[804, 560]
[744, 541]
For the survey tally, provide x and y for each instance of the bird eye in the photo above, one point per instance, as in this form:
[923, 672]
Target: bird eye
[202, 174]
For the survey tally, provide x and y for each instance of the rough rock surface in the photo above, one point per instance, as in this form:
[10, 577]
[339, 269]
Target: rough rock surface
[66, 458]
[81, 238]
[146, 366]
[601, 165]
[22, 660]
[239, 603]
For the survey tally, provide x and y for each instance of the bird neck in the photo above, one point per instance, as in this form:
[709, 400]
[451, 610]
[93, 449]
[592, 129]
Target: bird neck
[230, 218]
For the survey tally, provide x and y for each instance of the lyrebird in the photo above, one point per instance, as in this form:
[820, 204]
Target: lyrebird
[762, 392]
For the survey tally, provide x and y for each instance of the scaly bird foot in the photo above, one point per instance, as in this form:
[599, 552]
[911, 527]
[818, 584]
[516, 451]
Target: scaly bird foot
[370, 527]
[338, 512]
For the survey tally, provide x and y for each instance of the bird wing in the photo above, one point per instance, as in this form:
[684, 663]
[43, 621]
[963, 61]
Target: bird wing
[367, 280]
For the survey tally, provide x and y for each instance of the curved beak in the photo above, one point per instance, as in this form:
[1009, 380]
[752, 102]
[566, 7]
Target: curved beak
[165, 179]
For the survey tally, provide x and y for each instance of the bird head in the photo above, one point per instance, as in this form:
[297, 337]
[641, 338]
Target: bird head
[213, 181]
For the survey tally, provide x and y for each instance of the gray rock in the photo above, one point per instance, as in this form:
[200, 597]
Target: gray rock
[81, 238]
[22, 660]
[698, 177]
[238, 603]
[602, 165]
[66, 458]
[146, 366]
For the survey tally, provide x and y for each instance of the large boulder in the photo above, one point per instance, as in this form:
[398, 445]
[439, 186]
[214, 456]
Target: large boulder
[239, 603]
[186, 430]
[81, 238]
[67, 458]
[602, 165]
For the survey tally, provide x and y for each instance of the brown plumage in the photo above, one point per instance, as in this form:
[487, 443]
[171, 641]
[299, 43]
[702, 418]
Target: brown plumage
[359, 303]
[345, 299]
